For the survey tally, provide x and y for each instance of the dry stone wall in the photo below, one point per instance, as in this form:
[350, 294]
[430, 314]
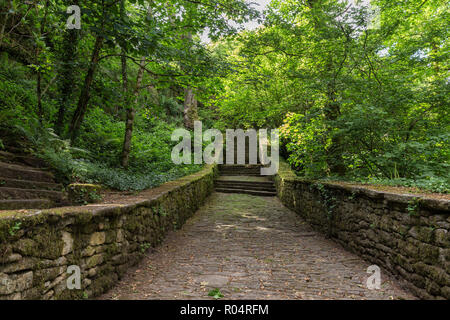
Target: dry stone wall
[407, 235]
[38, 247]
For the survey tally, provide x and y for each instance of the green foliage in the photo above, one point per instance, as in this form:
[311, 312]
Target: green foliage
[215, 293]
[16, 98]
[145, 246]
[73, 164]
[351, 102]
[14, 228]
[306, 141]
[58, 83]
[328, 201]
[433, 184]
[413, 206]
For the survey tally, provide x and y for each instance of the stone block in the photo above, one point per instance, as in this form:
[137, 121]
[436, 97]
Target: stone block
[442, 238]
[94, 260]
[68, 243]
[97, 238]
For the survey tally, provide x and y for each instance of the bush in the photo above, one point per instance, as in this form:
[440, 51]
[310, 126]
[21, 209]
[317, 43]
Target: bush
[76, 165]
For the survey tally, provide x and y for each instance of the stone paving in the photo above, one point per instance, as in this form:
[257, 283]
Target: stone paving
[250, 247]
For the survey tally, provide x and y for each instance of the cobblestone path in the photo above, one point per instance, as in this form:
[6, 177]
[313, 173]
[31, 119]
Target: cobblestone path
[250, 247]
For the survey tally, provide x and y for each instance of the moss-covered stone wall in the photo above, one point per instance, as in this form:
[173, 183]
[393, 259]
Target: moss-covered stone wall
[38, 246]
[407, 235]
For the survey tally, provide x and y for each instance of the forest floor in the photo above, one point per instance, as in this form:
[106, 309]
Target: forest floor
[250, 247]
[398, 190]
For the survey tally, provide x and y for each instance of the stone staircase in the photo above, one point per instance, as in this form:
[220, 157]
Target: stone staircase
[244, 179]
[25, 183]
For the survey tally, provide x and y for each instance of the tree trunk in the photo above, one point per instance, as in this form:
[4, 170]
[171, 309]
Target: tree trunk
[124, 81]
[2, 30]
[190, 108]
[131, 112]
[123, 60]
[332, 110]
[68, 55]
[38, 63]
[39, 96]
[83, 101]
[435, 51]
[190, 112]
[334, 153]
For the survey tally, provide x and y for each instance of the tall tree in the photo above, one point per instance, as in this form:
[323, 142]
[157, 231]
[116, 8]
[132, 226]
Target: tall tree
[39, 48]
[83, 100]
[190, 112]
[131, 112]
[68, 54]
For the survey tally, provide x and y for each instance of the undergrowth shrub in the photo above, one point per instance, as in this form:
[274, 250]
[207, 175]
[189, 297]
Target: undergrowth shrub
[73, 164]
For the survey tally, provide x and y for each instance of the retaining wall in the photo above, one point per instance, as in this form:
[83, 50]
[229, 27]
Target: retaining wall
[407, 235]
[38, 246]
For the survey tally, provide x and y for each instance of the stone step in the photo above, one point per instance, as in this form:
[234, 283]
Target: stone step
[18, 193]
[28, 184]
[246, 187]
[240, 169]
[22, 172]
[236, 168]
[21, 159]
[245, 191]
[241, 174]
[26, 204]
[239, 166]
[13, 142]
[245, 183]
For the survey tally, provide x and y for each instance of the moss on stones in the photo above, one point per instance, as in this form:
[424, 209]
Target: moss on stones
[402, 233]
[103, 241]
[82, 193]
